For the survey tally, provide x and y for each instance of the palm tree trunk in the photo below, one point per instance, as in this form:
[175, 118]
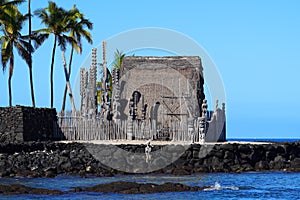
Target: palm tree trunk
[51, 72]
[30, 60]
[68, 83]
[11, 69]
[9, 90]
[65, 92]
[31, 86]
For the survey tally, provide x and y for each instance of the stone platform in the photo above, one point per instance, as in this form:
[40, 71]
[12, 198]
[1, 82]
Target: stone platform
[49, 159]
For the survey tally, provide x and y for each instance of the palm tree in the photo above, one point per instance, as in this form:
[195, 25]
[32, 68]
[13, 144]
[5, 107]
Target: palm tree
[77, 26]
[6, 5]
[55, 19]
[11, 39]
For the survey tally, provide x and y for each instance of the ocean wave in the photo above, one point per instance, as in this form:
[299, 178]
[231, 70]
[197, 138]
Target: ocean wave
[218, 186]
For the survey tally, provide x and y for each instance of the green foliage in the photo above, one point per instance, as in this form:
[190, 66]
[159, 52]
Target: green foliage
[118, 57]
[56, 21]
[7, 7]
[67, 26]
[12, 37]
[59, 23]
[11, 25]
[77, 25]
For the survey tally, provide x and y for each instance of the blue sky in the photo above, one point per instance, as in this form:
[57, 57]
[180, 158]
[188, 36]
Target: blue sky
[254, 44]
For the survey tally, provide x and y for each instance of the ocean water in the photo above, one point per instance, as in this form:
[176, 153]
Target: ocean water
[264, 139]
[254, 185]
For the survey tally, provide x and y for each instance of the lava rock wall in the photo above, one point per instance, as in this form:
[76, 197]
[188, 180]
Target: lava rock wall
[52, 158]
[19, 123]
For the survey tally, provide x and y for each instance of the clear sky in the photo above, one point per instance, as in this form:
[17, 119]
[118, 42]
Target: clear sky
[254, 44]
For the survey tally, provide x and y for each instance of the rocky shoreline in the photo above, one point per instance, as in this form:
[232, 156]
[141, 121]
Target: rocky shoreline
[48, 159]
[138, 188]
[114, 187]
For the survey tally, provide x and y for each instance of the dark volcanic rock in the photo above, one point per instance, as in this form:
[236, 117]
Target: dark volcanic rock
[138, 188]
[296, 163]
[181, 172]
[270, 155]
[114, 187]
[21, 189]
[244, 149]
[38, 159]
[262, 165]
[227, 147]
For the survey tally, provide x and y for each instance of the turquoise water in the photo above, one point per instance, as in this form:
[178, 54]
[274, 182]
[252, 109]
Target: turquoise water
[255, 185]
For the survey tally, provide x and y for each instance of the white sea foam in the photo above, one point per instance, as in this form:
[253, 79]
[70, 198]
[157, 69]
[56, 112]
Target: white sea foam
[218, 186]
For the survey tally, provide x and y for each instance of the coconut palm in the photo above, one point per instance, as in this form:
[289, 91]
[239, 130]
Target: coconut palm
[55, 18]
[12, 39]
[77, 26]
[6, 5]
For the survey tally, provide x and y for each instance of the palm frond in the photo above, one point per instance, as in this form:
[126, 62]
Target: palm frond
[22, 51]
[118, 56]
[10, 3]
[26, 45]
[5, 53]
[38, 38]
[63, 40]
[76, 24]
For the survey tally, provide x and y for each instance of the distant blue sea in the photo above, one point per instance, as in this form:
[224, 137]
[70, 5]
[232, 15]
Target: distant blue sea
[254, 185]
[265, 139]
